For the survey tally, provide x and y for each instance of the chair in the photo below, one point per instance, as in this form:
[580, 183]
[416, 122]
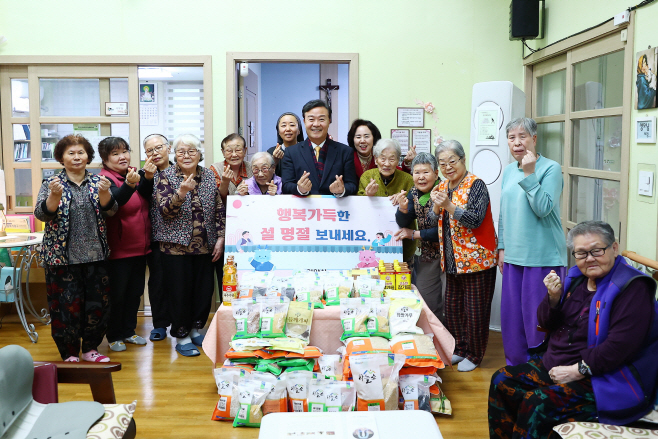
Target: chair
[48, 374]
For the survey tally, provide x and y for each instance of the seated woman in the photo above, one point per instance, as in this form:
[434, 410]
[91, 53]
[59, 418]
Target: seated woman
[597, 323]
[264, 181]
[416, 205]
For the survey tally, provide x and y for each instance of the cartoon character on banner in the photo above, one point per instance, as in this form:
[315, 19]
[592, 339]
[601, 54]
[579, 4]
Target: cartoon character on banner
[381, 241]
[261, 259]
[367, 258]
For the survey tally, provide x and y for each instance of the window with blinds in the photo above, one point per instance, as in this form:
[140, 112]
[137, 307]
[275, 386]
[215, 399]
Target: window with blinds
[184, 109]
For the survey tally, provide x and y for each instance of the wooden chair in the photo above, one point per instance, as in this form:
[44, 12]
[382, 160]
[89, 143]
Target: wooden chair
[97, 375]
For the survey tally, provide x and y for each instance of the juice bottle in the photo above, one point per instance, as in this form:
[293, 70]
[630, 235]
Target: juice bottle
[229, 281]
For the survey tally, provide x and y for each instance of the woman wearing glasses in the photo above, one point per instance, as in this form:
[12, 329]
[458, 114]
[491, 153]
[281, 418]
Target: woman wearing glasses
[263, 182]
[530, 237]
[599, 346]
[191, 240]
[468, 254]
[156, 148]
[234, 169]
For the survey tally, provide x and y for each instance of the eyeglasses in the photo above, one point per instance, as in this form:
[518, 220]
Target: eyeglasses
[157, 148]
[264, 170]
[595, 252]
[452, 163]
[189, 152]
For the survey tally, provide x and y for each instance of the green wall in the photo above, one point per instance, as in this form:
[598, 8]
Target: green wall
[433, 50]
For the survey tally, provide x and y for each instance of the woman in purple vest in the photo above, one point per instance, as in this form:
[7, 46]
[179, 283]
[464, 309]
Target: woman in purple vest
[192, 240]
[263, 182]
[597, 321]
[129, 237]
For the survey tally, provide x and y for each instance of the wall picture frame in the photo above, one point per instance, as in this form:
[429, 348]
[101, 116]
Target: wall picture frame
[422, 140]
[148, 93]
[411, 117]
[646, 68]
[402, 136]
[116, 108]
[645, 129]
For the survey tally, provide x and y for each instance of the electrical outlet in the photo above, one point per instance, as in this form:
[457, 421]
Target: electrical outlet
[624, 35]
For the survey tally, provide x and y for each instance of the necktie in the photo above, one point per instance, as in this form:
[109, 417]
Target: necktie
[317, 153]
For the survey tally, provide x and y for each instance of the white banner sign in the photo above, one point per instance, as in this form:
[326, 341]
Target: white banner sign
[284, 233]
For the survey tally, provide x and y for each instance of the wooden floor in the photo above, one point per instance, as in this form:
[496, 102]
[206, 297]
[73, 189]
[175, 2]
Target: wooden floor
[176, 396]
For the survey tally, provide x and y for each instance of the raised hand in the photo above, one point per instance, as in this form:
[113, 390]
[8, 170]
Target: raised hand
[528, 163]
[56, 187]
[403, 202]
[411, 154]
[440, 199]
[272, 188]
[337, 187]
[554, 287]
[132, 177]
[186, 186]
[149, 168]
[103, 184]
[242, 189]
[277, 154]
[227, 176]
[304, 184]
[372, 188]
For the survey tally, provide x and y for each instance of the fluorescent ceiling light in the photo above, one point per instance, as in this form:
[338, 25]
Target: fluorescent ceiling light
[153, 72]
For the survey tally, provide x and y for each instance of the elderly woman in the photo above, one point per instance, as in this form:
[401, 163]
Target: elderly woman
[288, 133]
[157, 149]
[387, 180]
[192, 239]
[362, 136]
[263, 182]
[468, 254]
[529, 214]
[73, 205]
[235, 168]
[416, 205]
[599, 344]
[129, 237]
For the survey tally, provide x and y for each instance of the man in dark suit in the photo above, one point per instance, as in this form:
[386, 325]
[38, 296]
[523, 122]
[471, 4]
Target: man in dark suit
[319, 165]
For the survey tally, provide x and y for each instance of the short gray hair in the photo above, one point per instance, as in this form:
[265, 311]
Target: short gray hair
[425, 158]
[383, 144]
[450, 145]
[600, 228]
[190, 140]
[263, 154]
[529, 125]
[153, 136]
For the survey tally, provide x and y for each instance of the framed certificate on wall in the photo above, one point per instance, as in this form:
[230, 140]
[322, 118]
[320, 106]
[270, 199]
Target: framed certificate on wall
[411, 117]
[645, 129]
[402, 136]
[422, 140]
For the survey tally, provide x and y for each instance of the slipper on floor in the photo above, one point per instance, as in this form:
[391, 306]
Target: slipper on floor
[158, 334]
[135, 339]
[187, 350]
[198, 340]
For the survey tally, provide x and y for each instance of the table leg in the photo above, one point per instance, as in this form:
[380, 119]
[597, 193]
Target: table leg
[25, 265]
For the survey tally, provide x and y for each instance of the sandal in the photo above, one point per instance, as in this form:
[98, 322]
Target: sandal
[158, 334]
[95, 357]
[187, 350]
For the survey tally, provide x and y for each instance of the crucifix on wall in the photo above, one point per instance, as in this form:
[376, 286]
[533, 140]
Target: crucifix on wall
[328, 89]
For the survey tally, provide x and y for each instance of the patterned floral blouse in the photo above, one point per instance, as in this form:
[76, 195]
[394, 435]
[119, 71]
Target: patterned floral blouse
[171, 206]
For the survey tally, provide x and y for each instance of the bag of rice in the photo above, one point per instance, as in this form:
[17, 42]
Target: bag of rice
[316, 396]
[376, 379]
[403, 316]
[261, 286]
[367, 345]
[227, 381]
[246, 285]
[438, 401]
[249, 345]
[299, 320]
[415, 391]
[332, 289]
[240, 309]
[363, 286]
[418, 350]
[273, 313]
[331, 366]
[277, 400]
[378, 317]
[297, 383]
[340, 396]
[354, 317]
[251, 395]
[377, 289]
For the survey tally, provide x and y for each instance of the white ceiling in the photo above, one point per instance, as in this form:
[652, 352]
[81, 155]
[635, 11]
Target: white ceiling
[178, 74]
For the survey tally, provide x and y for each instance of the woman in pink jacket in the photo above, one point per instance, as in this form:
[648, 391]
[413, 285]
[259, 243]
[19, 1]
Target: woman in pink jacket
[129, 238]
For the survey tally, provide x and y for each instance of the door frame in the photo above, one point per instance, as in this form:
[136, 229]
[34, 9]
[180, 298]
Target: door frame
[288, 57]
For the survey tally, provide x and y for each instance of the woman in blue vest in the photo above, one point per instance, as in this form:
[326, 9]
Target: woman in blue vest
[73, 205]
[192, 239]
[600, 342]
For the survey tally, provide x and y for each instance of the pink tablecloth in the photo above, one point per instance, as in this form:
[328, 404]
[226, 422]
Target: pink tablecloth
[326, 330]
